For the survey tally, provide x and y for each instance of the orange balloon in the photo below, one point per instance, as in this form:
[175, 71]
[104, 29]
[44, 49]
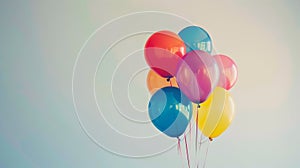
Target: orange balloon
[155, 82]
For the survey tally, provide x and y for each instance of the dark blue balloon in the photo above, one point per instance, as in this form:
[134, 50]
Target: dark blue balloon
[170, 111]
[196, 38]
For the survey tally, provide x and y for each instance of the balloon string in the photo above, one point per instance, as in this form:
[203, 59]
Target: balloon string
[204, 165]
[178, 146]
[199, 149]
[196, 130]
[190, 131]
[196, 141]
[187, 152]
[171, 83]
[179, 151]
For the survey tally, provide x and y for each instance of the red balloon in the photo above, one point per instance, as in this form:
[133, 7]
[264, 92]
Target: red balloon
[163, 51]
[228, 71]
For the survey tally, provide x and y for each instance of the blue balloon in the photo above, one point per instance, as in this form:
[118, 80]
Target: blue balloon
[170, 111]
[196, 38]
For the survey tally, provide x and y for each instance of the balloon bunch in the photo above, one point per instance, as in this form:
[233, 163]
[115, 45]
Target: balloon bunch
[186, 81]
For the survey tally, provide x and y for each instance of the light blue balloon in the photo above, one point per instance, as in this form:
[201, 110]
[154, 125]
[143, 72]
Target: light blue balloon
[170, 111]
[196, 38]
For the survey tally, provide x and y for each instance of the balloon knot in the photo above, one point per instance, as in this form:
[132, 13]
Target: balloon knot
[210, 139]
[168, 79]
[199, 106]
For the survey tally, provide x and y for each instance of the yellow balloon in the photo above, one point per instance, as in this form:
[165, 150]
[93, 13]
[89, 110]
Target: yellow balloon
[155, 82]
[216, 113]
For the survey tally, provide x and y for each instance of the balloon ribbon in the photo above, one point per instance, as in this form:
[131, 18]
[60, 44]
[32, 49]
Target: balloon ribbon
[187, 151]
[179, 150]
[196, 131]
[199, 148]
[204, 165]
[196, 142]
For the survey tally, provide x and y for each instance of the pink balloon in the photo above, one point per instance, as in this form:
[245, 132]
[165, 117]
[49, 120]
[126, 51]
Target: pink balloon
[228, 71]
[197, 75]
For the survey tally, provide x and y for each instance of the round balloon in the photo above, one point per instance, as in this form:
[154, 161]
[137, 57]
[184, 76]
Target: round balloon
[170, 111]
[228, 71]
[216, 113]
[197, 75]
[196, 38]
[163, 50]
[155, 82]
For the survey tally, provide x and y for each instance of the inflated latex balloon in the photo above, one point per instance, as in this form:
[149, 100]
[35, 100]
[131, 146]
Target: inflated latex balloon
[170, 111]
[155, 82]
[196, 38]
[228, 71]
[163, 50]
[216, 113]
[197, 75]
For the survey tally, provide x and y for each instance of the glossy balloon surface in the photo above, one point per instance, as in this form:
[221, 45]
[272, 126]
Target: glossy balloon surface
[196, 38]
[228, 71]
[170, 111]
[163, 50]
[197, 75]
[216, 113]
[155, 82]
